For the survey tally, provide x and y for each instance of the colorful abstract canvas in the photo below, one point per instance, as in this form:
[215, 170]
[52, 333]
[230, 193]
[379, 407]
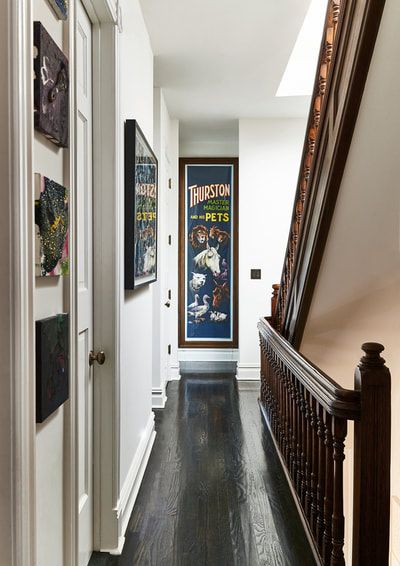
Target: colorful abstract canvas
[52, 222]
[52, 356]
[60, 7]
[51, 87]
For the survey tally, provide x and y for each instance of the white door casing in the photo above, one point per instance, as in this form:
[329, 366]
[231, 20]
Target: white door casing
[84, 198]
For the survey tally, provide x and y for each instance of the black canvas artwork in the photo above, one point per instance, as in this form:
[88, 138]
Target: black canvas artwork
[52, 353]
[60, 7]
[51, 87]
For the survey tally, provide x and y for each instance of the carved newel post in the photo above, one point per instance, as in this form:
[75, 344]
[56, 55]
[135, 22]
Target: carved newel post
[274, 299]
[372, 460]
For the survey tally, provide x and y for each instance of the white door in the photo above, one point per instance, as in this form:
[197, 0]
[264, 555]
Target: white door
[171, 291]
[84, 199]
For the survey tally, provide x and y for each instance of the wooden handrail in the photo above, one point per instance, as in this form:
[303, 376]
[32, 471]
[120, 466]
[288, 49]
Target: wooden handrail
[337, 401]
[307, 413]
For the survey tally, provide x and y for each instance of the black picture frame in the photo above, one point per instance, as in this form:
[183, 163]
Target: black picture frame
[52, 364]
[141, 208]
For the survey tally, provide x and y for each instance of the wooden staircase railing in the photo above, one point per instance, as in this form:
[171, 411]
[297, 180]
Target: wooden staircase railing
[307, 413]
[348, 40]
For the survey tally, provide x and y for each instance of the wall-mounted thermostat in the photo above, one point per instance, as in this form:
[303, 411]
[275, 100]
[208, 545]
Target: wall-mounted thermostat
[255, 274]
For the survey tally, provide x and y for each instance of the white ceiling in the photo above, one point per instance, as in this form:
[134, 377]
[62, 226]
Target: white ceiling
[220, 60]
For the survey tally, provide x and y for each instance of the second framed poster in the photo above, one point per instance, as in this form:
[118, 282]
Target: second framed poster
[141, 197]
[208, 259]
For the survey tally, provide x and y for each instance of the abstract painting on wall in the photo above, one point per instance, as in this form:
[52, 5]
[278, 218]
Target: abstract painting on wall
[51, 87]
[52, 221]
[52, 356]
[60, 7]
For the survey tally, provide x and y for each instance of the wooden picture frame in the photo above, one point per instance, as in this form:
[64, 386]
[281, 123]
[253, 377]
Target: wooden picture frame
[141, 207]
[196, 236]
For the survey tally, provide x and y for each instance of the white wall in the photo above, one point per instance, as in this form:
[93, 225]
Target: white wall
[136, 91]
[209, 148]
[357, 296]
[51, 464]
[269, 161]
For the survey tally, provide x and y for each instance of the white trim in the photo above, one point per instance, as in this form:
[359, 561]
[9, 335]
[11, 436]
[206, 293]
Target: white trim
[174, 373]
[106, 151]
[248, 372]
[71, 504]
[158, 398]
[107, 285]
[208, 355]
[132, 483]
[21, 360]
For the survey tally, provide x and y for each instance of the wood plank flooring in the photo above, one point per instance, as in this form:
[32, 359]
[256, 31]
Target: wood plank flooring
[213, 493]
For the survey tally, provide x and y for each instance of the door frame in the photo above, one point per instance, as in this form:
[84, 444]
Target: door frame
[105, 18]
[17, 329]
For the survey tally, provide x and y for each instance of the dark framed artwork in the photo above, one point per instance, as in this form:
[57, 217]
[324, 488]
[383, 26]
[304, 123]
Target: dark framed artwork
[208, 253]
[141, 198]
[52, 364]
[52, 228]
[51, 87]
[60, 8]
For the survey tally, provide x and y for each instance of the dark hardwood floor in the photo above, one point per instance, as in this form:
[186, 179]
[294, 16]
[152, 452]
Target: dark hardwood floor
[213, 493]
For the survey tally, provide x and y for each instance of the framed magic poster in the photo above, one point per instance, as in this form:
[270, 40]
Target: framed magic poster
[141, 196]
[208, 259]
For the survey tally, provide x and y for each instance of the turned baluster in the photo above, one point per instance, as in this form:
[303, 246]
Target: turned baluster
[328, 499]
[294, 429]
[274, 299]
[291, 424]
[314, 465]
[329, 44]
[303, 445]
[285, 447]
[335, 11]
[307, 507]
[282, 406]
[317, 111]
[321, 476]
[298, 478]
[339, 430]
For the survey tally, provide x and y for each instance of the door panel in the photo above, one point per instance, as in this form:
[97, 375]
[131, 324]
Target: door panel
[85, 284]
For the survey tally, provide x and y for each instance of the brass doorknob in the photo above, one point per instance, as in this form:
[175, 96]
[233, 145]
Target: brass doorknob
[100, 357]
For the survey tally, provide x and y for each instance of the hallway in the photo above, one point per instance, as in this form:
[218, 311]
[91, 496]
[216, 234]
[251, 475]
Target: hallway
[213, 493]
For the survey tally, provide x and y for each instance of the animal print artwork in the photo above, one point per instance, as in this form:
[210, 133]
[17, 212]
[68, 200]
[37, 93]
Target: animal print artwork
[209, 253]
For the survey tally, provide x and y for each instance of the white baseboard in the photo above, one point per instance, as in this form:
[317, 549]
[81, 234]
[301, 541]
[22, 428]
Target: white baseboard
[248, 372]
[174, 373]
[158, 398]
[117, 551]
[132, 483]
[207, 355]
